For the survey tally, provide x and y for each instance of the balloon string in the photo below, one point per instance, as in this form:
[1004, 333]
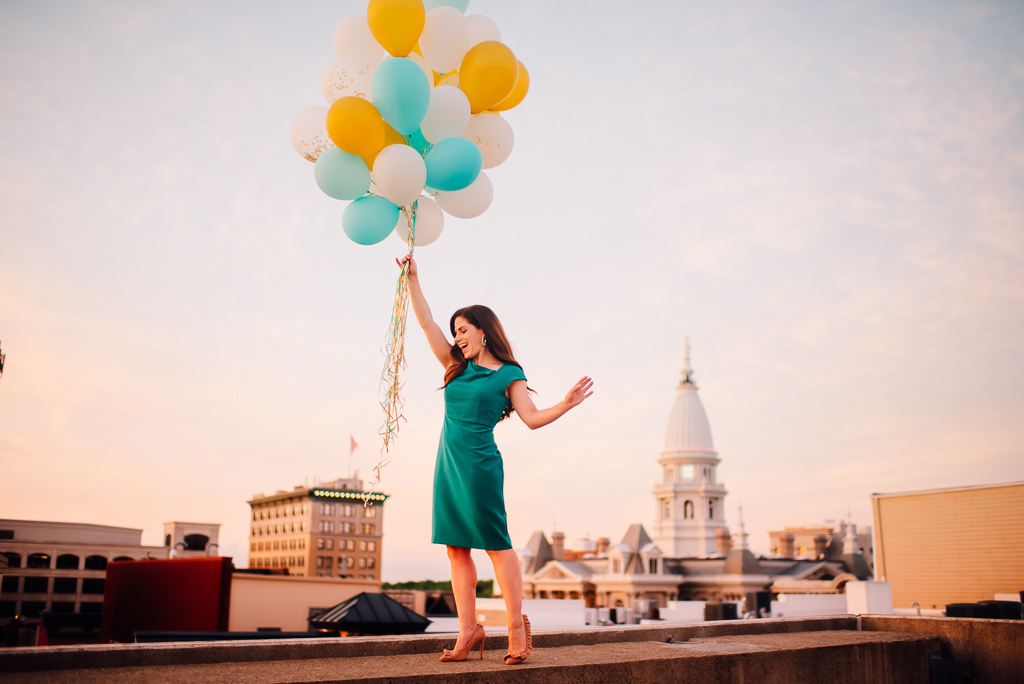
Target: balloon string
[394, 362]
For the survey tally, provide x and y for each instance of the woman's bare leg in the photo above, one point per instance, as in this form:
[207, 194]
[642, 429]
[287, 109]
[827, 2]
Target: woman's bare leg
[510, 579]
[464, 588]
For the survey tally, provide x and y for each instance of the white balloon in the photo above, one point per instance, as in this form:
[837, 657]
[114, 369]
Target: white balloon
[422, 64]
[493, 135]
[353, 38]
[346, 76]
[469, 202]
[309, 132]
[445, 38]
[429, 222]
[447, 114]
[481, 28]
[399, 174]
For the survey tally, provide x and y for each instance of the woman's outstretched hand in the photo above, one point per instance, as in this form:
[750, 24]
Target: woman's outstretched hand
[407, 259]
[580, 391]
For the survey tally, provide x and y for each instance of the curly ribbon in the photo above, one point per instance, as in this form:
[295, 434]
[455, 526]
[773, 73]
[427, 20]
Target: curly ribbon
[394, 363]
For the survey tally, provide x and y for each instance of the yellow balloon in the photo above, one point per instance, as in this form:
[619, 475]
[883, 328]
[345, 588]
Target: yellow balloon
[518, 92]
[488, 74]
[396, 24]
[355, 126]
[391, 137]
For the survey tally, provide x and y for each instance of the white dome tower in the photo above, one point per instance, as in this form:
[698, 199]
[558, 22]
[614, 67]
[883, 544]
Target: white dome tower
[690, 501]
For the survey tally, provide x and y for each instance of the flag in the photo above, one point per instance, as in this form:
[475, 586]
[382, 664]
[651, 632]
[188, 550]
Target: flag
[353, 446]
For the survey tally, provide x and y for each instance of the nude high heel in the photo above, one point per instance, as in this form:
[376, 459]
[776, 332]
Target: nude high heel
[516, 658]
[460, 654]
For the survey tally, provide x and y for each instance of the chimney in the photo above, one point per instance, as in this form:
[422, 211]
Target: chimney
[820, 544]
[558, 545]
[723, 542]
[786, 544]
[602, 546]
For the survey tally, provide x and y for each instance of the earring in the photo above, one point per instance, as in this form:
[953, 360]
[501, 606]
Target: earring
[483, 338]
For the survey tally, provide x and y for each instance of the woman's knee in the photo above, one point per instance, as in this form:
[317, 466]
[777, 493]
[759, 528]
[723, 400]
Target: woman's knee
[458, 553]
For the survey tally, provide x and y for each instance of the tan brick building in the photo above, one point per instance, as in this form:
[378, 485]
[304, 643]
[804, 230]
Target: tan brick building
[320, 531]
[958, 545]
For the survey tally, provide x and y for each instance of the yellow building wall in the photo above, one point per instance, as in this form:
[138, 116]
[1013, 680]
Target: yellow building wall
[950, 546]
[284, 602]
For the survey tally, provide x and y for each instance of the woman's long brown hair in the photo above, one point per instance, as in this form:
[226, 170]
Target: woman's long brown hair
[497, 344]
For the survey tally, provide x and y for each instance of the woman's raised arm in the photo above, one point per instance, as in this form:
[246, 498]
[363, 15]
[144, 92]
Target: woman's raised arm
[439, 344]
[534, 417]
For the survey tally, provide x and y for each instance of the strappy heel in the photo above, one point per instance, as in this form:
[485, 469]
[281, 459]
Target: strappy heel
[460, 654]
[516, 658]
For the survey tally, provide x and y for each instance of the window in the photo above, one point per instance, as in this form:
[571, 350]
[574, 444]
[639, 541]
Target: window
[319, 543]
[371, 563]
[326, 509]
[38, 560]
[67, 561]
[369, 512]
[350, 545]
[330, 544]
[7, 608]
[13, 559]
[686, 471]
[63, 607]
[362, 562]
[711, 509]
[95, 563]
[92, 606]
[10, 584]
[37, 585]
[196, 542]
[666, 509]
[371, 545]
[167, 540]
[688, 510]
[652, 566]
[32, 609]
[368, 528]
[348, 510]
[362, 544]
[123, 558]
[350, 561]
[346, 527]
[65, 585]
[93, 585]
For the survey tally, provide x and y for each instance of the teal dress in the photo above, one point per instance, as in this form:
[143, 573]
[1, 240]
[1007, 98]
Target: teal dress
[469, 505]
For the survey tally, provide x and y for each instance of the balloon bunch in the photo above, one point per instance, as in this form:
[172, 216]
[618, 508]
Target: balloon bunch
[414, 98]
[414, 118]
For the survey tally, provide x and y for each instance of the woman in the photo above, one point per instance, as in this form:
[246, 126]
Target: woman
[483, 384]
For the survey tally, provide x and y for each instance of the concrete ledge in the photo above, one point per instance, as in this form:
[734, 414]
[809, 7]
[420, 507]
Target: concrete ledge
[994, 647]
[150, 655]
[836, 657]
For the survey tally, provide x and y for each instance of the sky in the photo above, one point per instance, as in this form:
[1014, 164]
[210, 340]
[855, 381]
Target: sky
[826, 198]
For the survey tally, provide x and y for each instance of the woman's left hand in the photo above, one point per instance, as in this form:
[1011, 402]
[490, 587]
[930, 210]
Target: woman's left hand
[580, 391]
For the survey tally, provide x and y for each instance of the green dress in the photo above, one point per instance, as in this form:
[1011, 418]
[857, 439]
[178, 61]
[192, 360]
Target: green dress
[469, 506]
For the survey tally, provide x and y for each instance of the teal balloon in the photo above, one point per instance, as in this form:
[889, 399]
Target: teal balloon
[401, 93]
[369, 219]
[453, 164]
[341, 175]
[418, 142]
[460, 5]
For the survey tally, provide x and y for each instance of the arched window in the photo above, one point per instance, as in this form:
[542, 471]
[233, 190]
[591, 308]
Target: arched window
[124, 558]
[196, 542]
[38, 560]
[167, 540]
[666, 509]
[96, 563]
[711, 509]
[13, 559]
[67, 561]
[688, 509]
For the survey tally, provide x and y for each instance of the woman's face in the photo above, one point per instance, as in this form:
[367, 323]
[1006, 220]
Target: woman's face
[468, 337]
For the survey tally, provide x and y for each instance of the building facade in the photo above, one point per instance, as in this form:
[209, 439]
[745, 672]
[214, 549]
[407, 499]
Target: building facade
[956, 545]
[61, 567]
[321, 531]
